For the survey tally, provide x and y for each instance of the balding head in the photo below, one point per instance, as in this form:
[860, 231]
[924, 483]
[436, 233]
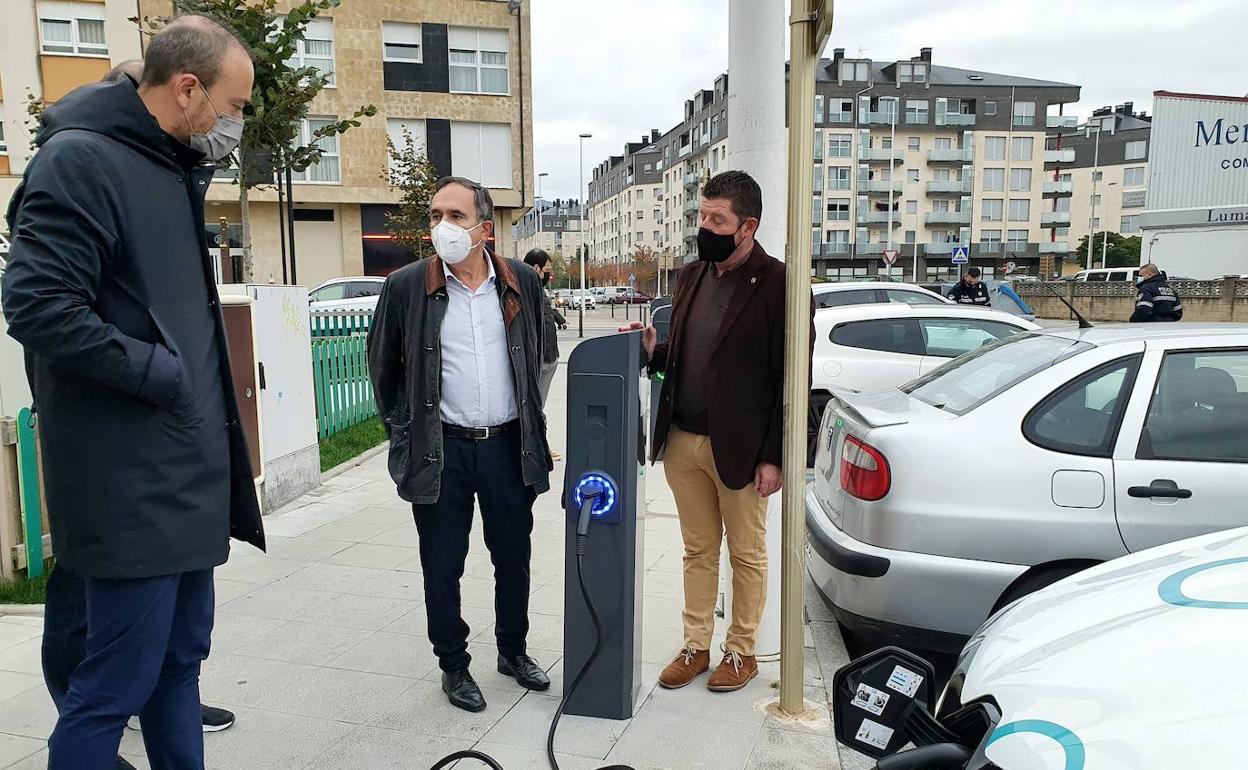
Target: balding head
[131, 67]
[190, 44]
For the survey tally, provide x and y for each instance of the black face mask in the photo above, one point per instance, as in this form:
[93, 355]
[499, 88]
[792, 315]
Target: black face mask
[546, 278]
[715, 248]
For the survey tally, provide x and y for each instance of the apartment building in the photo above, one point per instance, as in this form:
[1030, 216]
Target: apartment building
[553, 226]
[454, 73]
[1109, 178]
[908, 153]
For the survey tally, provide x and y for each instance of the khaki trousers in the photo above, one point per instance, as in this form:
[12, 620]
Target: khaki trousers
[707, 510]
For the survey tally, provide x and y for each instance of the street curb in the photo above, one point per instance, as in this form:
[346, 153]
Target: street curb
[354, 462]
[27, 610]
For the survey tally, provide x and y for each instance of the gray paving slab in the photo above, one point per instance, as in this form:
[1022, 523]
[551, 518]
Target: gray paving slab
[376, 748]
[266, 740]
[583, 736]
[15, 748]
[423, 708]
[389, 653]
[333, 693]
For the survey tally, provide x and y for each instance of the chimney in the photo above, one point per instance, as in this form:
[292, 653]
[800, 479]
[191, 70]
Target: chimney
[1128, 108]
[654, 135]
[925, 54]
[837, 55]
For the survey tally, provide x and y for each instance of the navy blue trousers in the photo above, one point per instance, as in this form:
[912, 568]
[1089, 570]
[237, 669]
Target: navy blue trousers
[488, 471]
[140, 654]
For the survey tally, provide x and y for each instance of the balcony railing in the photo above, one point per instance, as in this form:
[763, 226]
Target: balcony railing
[692, 206]
[871, 248]
[1061, 121]
[956, 119]
[948, 218]
[692, 179]
[940, 249]
[690, 231]
[947, 187]
[835, 249]
[1055, 247]
[877, 118]
[956, 155]
[1059, 156]
[879, 155]
[878, 186]
[1058, 189]
[1012, 247]
[1055, 219]
[879, 218]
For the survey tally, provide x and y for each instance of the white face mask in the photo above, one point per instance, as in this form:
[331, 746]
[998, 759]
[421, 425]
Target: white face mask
[452, 242]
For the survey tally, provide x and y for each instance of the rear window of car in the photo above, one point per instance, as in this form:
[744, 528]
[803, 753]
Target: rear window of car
[843, 298]
[890, 335]
[912, 297]
[951, 337]
[964, 383]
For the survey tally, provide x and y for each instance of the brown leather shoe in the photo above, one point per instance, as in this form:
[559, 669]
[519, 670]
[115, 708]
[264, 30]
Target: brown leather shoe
[687, 666]
[734, 672]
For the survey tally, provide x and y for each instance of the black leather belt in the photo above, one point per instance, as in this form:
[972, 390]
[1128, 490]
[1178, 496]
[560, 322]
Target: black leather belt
[477, 434]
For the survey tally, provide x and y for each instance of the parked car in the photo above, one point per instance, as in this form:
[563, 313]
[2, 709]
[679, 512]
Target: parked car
[876, 347]
[1110, 274]
[1125, 665]
[358, 293]
[1033, 458]
[605, 293]
[572, 298]
[629, 298]
[870, 292]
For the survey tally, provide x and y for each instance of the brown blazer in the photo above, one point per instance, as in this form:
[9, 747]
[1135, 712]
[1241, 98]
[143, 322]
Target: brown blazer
[746, 402]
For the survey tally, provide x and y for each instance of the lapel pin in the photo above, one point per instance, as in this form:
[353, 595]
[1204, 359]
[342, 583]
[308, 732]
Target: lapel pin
[754, 279]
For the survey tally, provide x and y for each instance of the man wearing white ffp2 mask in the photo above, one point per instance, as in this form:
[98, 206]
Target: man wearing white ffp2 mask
[455, 354]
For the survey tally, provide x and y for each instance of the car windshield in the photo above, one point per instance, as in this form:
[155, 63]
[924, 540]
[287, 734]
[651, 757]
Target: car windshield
[966, 382]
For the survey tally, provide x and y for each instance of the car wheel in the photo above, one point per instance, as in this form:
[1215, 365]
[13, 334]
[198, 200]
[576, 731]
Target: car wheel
[1033, 581]
[818, 404]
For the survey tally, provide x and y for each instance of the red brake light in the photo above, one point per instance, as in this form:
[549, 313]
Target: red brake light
[864, 471]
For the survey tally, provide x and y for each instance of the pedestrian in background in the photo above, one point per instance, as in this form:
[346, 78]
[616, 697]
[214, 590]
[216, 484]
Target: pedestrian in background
[539, 260]
[971, 290]
[1155, 300]
[111, 290]
[455, 355]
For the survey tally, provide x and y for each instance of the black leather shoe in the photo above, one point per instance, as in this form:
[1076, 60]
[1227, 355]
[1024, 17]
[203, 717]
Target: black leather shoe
[524, 670]
[462, 690]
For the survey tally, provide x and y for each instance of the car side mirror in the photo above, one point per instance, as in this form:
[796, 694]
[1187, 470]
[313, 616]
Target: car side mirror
[884, 701]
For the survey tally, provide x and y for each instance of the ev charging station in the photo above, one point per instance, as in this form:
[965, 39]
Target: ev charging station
[605, 499]
[661, 320]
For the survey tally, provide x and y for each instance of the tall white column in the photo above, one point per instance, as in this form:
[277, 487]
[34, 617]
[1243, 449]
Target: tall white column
[757, 144]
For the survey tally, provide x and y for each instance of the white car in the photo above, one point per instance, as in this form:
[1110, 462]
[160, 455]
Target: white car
[1131, 665]
[358, 293]
[1014, 466]
[572, 298]
[873, 292]
[876, 347]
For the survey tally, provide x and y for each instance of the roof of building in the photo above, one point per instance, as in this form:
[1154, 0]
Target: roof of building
[940, 75]
[1205, 97]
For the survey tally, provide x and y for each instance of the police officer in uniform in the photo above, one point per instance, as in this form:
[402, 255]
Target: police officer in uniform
[970, 290]
[1155, 301]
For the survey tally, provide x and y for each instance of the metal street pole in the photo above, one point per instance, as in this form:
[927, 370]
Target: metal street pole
[892, 170]
[1096, 169]
[539, 201]
[585, 194]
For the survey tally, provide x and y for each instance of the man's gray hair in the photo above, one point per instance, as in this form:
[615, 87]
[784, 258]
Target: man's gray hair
[484, 203]
[131, 67]
[1150, 269]
[188, 44]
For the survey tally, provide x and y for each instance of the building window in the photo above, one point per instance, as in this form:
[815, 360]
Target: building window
[328, 170]
[990, 241]
[853, 71]
[912, 207]
[940, 207]
[1024, 113]
[991, 209]
[1133, 177]
[816, 208]
[1020, 180]
[839, 178]
[840, 145]
[1098, 176]
[1130, 224]
[841, 111]
[994, 148]
[818, 108]
[1022, 148]
[1017, 241]
[1020, 210]
[838, 210]
[714, 126]
[916, 111]
[316, 49]
[912, 175]
[415, 131]
[1096, 223]
[912, 144]
[72, 28]
[482, 151]
[4, 147]
[400, 42]
[1137, 150]
[818, 185]
[886, 143]
[911, 72]
[994, 180]
[479, 61]
[990, 108]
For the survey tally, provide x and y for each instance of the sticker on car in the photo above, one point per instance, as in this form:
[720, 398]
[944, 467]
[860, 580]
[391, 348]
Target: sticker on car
[870, 699]
[905, 681]
[875, 734]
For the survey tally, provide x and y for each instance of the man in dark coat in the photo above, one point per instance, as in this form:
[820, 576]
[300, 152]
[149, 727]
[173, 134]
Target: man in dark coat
[111, 291]
[1155, 299]
[971, 290]
[455, 354]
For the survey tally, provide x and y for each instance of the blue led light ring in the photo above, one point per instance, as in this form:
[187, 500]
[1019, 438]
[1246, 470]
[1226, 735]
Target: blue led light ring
[1171, 589]
[1076, 755]
[605, 501]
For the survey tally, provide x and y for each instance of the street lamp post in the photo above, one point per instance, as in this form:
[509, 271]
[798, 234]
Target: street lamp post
[539, 200]
[1096, 170]
[892, 170]
[585, 194]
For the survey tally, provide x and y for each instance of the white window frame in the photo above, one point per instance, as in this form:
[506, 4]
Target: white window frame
[301, 55]
[478, 65]
[388, 27]
[992, 210]
[4, 147]
[1143, 174]
[1022, 203]
[72, 13]
[991, 141]
[1142, 145]
[305, 138]
[1026, 117]
[1133, 220]
[1017, 175]
[994, 180]
[1022, 141]
[456, 148]
[418, 129]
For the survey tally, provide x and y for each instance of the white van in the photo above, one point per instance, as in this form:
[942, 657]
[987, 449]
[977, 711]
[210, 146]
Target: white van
[1102, 275]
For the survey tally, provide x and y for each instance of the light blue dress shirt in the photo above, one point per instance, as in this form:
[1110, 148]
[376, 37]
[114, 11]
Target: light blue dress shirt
[478, 386]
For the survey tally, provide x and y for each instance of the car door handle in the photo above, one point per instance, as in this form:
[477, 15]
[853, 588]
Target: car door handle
[1160, 488]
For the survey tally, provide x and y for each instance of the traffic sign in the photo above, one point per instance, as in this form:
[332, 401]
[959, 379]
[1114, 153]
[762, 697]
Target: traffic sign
[1010, 267]
[960, 255]
[890, 256]
[632, 279]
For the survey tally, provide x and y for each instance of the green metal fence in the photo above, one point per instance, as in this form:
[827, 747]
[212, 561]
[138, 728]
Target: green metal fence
[344, 394]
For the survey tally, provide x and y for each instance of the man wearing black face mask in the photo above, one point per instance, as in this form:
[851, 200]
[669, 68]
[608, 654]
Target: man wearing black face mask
[111, 291]
[718, 429]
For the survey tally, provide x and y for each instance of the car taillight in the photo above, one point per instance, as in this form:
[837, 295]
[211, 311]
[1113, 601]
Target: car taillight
[864, 471]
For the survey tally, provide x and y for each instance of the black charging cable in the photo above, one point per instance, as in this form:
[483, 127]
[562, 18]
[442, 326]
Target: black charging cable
[591, 496]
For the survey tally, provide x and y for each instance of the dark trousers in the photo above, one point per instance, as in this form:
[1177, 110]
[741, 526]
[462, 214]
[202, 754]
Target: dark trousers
[489, 471]
[114, 648]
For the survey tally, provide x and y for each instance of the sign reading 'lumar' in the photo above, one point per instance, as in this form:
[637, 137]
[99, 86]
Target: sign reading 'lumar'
[1218, 132]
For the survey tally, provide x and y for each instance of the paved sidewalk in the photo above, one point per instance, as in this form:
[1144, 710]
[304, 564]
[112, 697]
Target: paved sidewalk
[320, 649]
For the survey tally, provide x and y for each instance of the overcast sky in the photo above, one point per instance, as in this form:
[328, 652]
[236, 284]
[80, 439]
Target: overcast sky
[617, 68]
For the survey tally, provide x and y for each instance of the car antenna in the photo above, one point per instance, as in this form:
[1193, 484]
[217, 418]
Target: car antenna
[1083, 322]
